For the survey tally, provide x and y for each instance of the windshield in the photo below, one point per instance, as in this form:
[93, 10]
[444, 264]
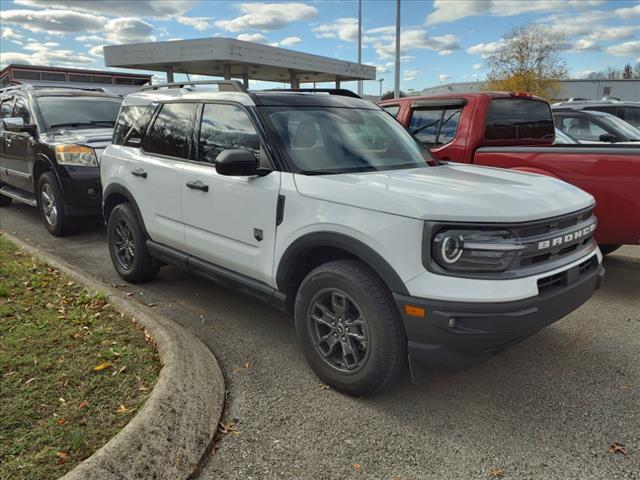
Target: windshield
[70, 112]
[331, 140]
[628, 130]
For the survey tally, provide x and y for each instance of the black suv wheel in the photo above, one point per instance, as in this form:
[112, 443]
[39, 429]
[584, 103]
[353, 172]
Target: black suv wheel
[349, 328]
[50, 202]
[127, 246]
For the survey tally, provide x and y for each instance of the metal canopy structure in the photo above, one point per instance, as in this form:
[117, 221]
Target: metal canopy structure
[230, 58]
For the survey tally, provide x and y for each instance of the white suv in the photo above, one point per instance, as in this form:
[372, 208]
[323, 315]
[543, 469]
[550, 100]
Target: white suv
[323, 205]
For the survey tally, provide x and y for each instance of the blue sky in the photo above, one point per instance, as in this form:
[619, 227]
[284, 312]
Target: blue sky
[442, 41]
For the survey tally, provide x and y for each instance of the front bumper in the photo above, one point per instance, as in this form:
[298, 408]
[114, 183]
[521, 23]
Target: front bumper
[81, 190]
[454, 336]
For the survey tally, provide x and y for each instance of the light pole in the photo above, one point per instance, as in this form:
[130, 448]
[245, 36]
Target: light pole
[396, 88]
[359, 42]
[381, 80]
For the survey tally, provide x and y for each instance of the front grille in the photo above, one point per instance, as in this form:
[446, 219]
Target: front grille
[534, 233]
[566, 278]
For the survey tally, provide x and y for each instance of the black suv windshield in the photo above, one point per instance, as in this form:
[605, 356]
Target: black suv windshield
[331, 140]
[78, 112]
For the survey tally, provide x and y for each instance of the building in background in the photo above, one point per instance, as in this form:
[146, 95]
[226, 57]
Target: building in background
[114, 82]
[626, 90]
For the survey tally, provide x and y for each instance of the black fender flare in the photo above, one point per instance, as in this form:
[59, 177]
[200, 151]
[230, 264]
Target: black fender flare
[343, 242]
[116, 188]
[41, 157]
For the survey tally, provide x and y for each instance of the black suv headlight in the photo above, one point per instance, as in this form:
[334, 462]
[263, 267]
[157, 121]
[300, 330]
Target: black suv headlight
[474, 250]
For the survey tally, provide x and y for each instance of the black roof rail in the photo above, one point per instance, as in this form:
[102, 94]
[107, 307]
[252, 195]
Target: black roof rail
[223, 85]
[27, 86]
[331, 91]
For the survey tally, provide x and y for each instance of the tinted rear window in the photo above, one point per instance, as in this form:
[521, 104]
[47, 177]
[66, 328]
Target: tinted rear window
[518, 119]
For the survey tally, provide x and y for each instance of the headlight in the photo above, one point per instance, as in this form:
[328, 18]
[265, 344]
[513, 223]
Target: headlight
[76, 155]
[460, 250]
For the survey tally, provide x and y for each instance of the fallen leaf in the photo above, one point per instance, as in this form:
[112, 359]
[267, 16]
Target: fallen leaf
[247, 365]
[84, 404]
[70, 283]
[496, 472]
[129, 294]
[61, 421]
[122, 409]
[324, 387]
[102, 366]
[151, 304]
[228, 428]
[62, 455]
[617, 448]
[357, 467]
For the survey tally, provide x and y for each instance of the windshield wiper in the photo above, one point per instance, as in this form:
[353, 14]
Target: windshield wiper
[93, 123]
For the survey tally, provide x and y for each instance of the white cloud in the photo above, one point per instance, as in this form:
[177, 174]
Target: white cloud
[624, 32]
[54, 21]
[290, 41]
[253, 37]
[485, 49]
[267, 16]
[626, 49]
[12, 35]
[199, 23]
[450, 11]
[45, 54]
[626, 13]
[443, 77]
[409, 75]
[143, 8]
[343, 28]
[417, 38]
[90, 38]
[445, 52]
[584, 45]
[97, 51]
[128, 30]
[477, 66]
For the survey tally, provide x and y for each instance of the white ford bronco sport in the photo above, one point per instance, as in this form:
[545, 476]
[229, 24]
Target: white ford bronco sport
[324, 206]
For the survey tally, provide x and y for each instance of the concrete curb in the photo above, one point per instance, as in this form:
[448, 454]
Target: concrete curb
[169, 436]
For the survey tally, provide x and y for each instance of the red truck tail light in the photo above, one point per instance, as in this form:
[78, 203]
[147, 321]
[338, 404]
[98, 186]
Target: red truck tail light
[521, 94]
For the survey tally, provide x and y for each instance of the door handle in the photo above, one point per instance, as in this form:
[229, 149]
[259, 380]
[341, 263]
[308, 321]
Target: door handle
[138, 172]
[198, 185]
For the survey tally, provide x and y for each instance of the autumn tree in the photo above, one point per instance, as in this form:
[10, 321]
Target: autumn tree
[528, 60]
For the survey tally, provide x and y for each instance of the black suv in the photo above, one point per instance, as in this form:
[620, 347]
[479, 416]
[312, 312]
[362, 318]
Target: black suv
[50, 147]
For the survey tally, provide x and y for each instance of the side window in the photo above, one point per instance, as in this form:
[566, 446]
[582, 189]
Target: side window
[5, 109]
[170, 131]
[225, 127]
[632, 115]
[131, 125]
[435, 127]
[392, 110]
[21, 110]
[581, 129]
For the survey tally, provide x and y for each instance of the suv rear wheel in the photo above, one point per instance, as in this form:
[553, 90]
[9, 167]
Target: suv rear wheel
[127, 246]
[51, 206]
[348, 328]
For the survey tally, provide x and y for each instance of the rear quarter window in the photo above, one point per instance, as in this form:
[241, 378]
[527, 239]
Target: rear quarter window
[131, 125]
[519, 119]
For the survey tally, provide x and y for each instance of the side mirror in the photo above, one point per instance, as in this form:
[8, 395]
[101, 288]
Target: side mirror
[607, 137]
[237, 163]
[13, 124]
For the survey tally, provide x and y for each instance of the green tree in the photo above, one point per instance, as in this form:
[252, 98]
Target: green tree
[528, 60]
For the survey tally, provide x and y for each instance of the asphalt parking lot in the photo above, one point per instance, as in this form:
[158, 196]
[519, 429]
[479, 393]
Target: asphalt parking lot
[549, 408]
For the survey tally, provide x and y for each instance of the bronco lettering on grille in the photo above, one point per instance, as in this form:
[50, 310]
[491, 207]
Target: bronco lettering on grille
[566, 238]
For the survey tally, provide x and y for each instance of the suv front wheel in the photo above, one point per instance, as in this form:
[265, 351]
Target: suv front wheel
[51, 204]
[127, 246]
[349, 328]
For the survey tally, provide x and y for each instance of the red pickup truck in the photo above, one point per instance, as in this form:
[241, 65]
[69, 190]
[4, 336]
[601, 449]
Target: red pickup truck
[516, 131]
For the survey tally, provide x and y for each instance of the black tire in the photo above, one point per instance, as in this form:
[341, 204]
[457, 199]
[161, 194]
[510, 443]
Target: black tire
[607, 249]
[382, 355]
[127, 246]
[51, 205]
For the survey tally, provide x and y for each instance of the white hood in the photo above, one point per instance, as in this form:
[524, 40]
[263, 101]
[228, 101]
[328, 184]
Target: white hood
[452, 192]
